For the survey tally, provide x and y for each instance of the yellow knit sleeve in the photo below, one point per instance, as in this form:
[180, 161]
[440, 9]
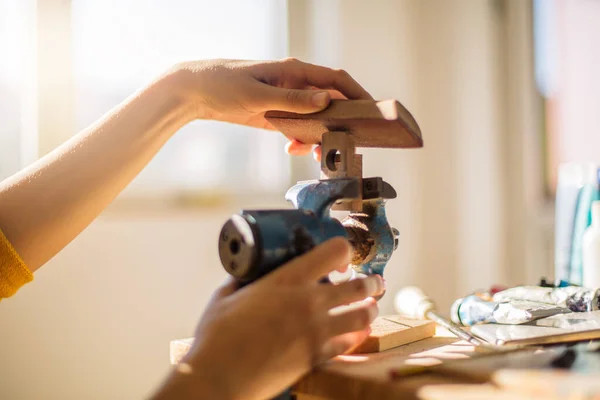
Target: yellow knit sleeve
[13, 271]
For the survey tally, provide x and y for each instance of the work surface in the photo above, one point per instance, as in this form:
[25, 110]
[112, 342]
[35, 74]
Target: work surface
[368, 376]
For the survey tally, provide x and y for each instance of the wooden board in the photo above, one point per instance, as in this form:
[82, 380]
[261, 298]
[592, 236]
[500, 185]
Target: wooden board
[385, 124]
[393, 331]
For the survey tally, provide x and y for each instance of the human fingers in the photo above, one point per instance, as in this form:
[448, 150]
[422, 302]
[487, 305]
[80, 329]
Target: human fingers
[291, 72]
[342, 269]
[296, 148]
[356, 319]
[351, 291]
[343, 343]
[227, 288]
[317, 263]
[337, 79]
[301, 101]
[317, 153]
[321, 77]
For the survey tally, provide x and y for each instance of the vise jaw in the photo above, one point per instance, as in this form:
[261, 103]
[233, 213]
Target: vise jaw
[368, 231]
[367, 227]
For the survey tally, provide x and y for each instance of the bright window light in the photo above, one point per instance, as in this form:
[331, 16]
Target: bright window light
[120, 45]
[13, 26]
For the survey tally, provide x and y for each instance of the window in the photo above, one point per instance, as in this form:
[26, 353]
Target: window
[99, 52]
[119, 45]
[12, 33]
[567, 71]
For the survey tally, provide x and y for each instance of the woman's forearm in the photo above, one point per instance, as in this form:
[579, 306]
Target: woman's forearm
[48, 204]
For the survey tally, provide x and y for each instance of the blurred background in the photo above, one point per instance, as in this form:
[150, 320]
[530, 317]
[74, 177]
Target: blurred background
[504, 91]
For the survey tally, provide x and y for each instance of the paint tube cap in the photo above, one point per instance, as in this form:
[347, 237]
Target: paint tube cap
[455, 311]
[413, 302]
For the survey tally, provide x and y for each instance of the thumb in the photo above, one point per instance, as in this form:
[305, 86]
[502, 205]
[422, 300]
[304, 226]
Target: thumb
[296, 100]
[227, 288]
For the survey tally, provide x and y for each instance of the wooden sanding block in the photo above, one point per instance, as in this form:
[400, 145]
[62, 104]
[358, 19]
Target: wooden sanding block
[385, 124]
[389, 332]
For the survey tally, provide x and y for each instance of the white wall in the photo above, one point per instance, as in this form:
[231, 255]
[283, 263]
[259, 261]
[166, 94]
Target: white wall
[578, 121]
[444, 61]
[97, 320]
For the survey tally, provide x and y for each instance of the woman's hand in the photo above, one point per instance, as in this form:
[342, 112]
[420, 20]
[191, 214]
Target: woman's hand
[242, 91]
[254, 342]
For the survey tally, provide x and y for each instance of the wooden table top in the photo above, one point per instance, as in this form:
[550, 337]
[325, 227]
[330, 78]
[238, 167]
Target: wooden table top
[461, 374]
[368, 376]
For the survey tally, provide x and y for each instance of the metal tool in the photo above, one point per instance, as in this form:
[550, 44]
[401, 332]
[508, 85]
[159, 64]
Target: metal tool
[255, 242]
[413, 302]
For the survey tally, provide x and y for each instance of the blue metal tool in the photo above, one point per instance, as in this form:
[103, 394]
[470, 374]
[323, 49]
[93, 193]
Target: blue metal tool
[255, 242]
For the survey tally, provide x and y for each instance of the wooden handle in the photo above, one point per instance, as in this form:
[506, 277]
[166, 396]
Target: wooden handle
[384, 124]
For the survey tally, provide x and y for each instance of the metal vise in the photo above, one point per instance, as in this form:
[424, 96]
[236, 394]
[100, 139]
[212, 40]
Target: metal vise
[255, 242]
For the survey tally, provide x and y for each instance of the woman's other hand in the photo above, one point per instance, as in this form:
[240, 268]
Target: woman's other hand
[254, 342]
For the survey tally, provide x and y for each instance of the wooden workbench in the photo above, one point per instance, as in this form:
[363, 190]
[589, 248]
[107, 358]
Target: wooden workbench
[367, 376]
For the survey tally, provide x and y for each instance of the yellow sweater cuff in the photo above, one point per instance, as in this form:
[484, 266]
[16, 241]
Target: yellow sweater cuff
[13, 271]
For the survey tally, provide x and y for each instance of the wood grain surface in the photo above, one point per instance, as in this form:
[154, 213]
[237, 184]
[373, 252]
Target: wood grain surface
[393, 331]
[385, 124]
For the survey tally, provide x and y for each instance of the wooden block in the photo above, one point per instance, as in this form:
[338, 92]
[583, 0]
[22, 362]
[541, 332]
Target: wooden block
[393, 331]
[385, 124]
[355, 205]
[341, 161]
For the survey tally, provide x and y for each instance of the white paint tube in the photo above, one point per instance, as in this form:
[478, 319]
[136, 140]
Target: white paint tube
[570, 182]
[575, 298]
[473, 310]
